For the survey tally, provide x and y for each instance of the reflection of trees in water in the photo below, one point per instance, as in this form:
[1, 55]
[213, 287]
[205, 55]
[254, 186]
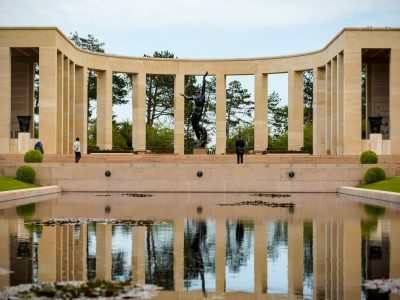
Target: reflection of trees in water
[160, 256]
[199, 251]
[239, 244]
[308, 256]
[277, 237]
[121, 252]
[91, 251]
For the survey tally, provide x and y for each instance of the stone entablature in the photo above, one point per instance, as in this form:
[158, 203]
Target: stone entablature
[337, 90]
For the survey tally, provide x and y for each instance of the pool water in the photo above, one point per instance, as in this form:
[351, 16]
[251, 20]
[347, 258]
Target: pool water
[219, 246]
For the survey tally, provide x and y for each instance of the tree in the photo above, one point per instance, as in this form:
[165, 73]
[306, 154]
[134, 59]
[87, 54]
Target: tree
[308, 97]
[277, 116]
[247, 133]
[239, 107]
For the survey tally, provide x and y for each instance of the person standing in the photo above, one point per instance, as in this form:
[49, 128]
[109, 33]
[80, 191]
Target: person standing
[39, 146]
[77, 150]
[240, 143]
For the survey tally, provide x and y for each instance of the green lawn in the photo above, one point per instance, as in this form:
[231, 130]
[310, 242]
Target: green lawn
[8, 184]
[390, 185]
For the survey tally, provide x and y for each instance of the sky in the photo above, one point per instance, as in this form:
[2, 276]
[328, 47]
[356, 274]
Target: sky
[206, 28]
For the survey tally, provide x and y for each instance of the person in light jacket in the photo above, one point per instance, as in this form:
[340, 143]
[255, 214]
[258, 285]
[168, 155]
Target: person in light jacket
[77, 150]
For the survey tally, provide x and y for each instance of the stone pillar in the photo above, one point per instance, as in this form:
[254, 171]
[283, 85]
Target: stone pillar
[47, 255]
[295, 258]
[178, 254]
[328, 125]
[24, 139]
[81, 106]
[71, 135]
[66, 88]
[296, 110]
[221, 114]
[104, 109]
[48, 98]
[352, 100]
[60, 102]
[334, 106]
[80, 255]
[394, 101]
[179, 114]
[5, 253]
[103, 251]
[139, 112]
[319, 260]
[5, 99]
[351, 259]
[260, 257]
[138, 254]
[260, 113]
[340, 103]
[220, 255]
[319, 111]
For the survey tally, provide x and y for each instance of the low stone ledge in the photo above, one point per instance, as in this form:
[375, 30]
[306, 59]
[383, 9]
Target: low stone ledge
[25, 193]
[367, 193]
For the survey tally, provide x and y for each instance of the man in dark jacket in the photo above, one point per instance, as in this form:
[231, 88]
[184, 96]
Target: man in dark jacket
[240, 150]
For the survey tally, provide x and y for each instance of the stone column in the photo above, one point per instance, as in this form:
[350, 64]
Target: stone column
[66, 88]
[178, 254]
[394, 101]
[334, 106]
[81, 106]
[103, 251]
[47, 254]
[328, 125]
[295, 258]
[296, 110]
[179, 114]
[319, 259]
[221, 114]
[5, 252]
[220, 255]
[340, 103]
[5, 99]
[319, 147]
[48, 98]
[60, 102]
[260, 257]
[352, 100]
[104, 109]
[138, 254]
[351, 259]
[260, 113]
[139, 112]
[71, 135]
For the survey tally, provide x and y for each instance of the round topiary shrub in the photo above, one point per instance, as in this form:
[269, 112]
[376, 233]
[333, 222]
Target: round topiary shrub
[374, 175]
[369, 157]
[33, 156]
[26, 174]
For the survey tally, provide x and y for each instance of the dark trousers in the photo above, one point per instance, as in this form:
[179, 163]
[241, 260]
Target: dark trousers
[239, 157]
[77, 156]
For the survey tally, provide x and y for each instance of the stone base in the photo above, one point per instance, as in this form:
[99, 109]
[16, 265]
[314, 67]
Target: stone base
[199, 151]
[376, 143]
[23, 142]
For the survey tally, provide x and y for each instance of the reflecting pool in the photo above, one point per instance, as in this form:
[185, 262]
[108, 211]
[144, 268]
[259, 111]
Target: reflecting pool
[196, 246]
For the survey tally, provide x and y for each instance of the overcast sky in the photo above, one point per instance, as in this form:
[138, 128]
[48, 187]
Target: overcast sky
[205, 28]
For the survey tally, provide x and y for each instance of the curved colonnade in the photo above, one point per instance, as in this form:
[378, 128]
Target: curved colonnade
[336, 99]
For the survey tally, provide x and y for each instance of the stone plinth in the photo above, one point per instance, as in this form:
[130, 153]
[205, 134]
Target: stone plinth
[376, 142]
[23, 142]
[199, 151]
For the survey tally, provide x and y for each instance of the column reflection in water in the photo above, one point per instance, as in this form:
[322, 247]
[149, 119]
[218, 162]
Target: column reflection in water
[199, 255]
[121, 250]
[91, 251]
[239, 256]
[160, 255]
[308, 260]
[277, 261]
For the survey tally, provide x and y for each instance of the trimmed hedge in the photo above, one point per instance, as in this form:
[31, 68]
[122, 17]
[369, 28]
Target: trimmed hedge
[374, 175]
[369, 157]
[33, 156]
[26, 174]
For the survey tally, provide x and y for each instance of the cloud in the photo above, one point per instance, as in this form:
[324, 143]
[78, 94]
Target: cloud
[208, 14]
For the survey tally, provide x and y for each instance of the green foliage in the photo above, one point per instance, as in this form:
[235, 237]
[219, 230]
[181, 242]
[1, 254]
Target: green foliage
[239, 107]
[118, 141]
[374, 211]
[277, 116]
[26, 210]
[308, 135]
[247, 134]
[159, 139]
[368, 157]
[390, 185]
[9, 184]
[374, 175]
[26, 174]
[308, 96]
[371, 223]
[33, 156]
